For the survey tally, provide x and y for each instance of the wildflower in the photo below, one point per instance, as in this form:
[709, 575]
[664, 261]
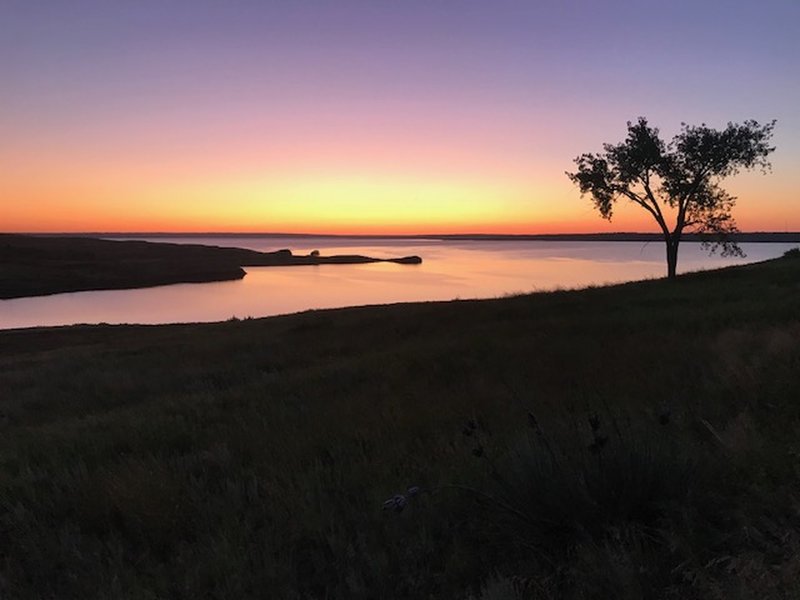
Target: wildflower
[413, 491]
[396, 503]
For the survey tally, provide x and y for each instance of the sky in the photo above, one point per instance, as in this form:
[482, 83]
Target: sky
[379, 117]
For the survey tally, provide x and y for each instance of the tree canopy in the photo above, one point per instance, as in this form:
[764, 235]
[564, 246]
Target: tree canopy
[677, 183]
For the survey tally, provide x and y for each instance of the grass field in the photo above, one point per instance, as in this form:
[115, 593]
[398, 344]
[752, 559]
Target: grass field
[635, 441]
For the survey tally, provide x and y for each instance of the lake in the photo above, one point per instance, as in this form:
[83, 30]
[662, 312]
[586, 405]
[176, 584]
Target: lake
[450, 269]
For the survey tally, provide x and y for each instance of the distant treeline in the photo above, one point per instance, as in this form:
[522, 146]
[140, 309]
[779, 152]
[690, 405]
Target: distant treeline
[773, 237]
[787, 237]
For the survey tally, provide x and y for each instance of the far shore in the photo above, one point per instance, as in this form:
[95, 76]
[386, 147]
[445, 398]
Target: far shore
[775, 237]
[44, 265]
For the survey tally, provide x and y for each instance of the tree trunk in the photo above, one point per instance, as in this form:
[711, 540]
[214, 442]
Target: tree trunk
[672, 256]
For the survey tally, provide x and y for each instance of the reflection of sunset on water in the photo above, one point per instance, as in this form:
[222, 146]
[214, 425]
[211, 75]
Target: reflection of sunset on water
[449, 270]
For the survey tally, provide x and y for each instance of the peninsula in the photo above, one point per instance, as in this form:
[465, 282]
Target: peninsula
[38, 265]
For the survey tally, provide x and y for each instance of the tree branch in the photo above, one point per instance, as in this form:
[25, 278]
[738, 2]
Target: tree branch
[685, 199]
[659, 216]
[655, 212]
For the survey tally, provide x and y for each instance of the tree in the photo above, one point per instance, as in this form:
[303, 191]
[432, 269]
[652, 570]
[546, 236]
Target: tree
[679, 180]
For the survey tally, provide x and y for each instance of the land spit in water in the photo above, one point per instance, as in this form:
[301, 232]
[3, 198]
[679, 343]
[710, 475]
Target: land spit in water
[38, 266]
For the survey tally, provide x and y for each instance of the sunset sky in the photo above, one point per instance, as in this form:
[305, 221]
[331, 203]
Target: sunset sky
[400, 116]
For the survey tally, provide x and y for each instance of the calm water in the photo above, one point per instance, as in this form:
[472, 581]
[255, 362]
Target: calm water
[449, 270]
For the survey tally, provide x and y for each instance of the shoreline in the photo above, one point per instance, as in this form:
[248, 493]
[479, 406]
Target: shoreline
[742, 237]
[33, 266]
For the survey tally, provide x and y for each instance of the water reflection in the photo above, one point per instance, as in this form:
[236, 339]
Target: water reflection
[463, 269]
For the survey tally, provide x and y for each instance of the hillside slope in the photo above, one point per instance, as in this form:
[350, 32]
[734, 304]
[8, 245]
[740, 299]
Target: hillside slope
[635, 441]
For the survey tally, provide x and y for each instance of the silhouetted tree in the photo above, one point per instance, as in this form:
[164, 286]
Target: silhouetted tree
[683, 175]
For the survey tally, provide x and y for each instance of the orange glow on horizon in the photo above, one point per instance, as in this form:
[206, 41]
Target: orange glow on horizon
[317, 201]
[337, 177]
[367, 117]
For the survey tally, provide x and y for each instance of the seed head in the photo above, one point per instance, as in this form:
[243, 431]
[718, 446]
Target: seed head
[594, 422]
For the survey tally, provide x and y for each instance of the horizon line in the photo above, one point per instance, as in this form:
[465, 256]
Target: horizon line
[656, 235]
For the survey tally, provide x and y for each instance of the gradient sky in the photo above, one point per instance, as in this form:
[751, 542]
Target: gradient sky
[371, 117]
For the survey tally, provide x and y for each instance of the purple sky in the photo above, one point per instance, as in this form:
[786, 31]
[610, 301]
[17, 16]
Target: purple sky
[420, 91]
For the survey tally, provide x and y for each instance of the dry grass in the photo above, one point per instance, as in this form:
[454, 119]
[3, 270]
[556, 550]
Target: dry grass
[252, 458]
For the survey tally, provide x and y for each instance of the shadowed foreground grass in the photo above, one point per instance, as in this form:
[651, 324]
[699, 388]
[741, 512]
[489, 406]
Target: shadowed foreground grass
[637, 441]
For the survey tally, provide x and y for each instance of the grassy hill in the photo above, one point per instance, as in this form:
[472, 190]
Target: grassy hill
[635, 441]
